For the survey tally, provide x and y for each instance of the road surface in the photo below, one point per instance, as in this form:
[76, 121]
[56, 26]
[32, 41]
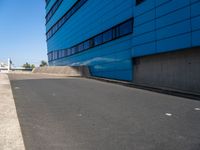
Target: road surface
[83, 114]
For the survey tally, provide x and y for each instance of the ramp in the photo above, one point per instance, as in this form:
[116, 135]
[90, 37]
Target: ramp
[70, 71]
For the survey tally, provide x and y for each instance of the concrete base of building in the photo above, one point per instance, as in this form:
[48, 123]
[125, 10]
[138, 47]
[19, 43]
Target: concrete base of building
[169, 91]
[178, 70]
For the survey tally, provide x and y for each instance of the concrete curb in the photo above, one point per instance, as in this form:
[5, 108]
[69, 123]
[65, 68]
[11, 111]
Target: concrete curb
[10, 131]
[173, 92]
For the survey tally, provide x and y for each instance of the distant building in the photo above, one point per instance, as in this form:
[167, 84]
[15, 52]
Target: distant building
[150, 42]
[3, 66]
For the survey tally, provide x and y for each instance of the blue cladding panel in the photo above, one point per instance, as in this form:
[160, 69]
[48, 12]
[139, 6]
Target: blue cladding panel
[144, 7]
[174, 43]
[195, 11]
[177, 16]
[161, 2]
[171, 6]
[159, 26]
[196, 38]
[144, 38]
[119, 75]
[196, 23]
[144, 28]
[144, 18]
[173, 30]
[144, 49]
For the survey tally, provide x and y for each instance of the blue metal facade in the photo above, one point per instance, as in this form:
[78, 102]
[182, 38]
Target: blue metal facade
[159, 26]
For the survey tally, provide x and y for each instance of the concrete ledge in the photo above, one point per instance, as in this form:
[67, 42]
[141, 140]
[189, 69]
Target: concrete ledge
[70, 71]
[185, 94]
[10, 132]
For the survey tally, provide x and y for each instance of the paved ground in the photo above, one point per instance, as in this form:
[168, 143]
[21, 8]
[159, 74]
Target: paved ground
[10, 133]
[83, 114]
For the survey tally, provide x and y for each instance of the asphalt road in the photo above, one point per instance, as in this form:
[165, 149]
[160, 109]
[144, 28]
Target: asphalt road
[83, 114]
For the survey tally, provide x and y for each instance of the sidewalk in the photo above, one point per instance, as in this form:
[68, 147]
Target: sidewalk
[10, 132]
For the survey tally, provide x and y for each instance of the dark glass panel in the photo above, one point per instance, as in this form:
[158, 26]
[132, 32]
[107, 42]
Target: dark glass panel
[126, 28]
[98, 40]
[108, 35]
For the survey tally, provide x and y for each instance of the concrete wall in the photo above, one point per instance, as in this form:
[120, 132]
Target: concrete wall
[178, 70]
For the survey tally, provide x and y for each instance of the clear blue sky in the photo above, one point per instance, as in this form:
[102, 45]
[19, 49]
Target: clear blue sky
[22, 31]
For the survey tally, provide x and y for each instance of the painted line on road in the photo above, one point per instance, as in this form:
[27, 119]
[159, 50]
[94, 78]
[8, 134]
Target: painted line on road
[16, 88]
[197, 109]
[168, 114]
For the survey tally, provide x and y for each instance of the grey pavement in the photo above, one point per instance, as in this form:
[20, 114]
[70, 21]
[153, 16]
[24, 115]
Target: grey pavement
[10, 133]
[84, 114]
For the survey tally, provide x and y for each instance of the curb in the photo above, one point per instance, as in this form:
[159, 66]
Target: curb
[10, 131]
[173, 92]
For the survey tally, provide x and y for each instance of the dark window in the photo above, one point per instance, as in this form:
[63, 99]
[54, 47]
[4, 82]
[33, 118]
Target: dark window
[59, 54]
[91, 43]
[86, 45]
[126, 28]
[108, 36]
[139, 2]
[65, 53]
[98, 40]
[55, 55]
[117, 32]
[80, 47]
[73, 50]
[69, 52]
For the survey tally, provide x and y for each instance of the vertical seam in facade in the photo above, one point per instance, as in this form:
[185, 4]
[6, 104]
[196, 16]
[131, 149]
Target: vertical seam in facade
[190, 23]
[155, 30]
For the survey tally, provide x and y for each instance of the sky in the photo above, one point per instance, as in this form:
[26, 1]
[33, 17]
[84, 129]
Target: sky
[22, 31]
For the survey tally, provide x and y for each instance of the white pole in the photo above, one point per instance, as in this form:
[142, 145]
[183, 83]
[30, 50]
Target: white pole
[8, 64]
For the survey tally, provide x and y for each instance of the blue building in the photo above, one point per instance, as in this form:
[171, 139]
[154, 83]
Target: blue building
[150, 42]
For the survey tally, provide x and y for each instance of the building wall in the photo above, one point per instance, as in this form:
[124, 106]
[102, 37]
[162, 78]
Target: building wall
[111, 60]
[159, 26]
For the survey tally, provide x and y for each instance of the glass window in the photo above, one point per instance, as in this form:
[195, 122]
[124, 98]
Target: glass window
[91, 43]
[86, 45]
[126, 28]
[73, 50]
[51, 56]
[69, 52]
[117, 32]
[80, 47]
[98, 40]
[65, 52]
[59, 54]
[108, 35]
[62, 53]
